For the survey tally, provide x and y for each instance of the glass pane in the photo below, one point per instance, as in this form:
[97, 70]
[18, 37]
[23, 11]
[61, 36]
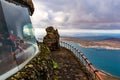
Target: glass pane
[17, 41]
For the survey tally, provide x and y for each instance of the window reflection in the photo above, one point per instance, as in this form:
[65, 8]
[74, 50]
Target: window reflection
[17, 41]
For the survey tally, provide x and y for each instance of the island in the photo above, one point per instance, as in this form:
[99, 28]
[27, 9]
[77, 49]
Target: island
[109, 43]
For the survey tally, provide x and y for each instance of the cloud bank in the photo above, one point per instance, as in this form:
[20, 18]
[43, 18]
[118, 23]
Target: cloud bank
[77, 14]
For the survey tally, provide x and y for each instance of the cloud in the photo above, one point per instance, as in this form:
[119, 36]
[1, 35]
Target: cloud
[80, 14]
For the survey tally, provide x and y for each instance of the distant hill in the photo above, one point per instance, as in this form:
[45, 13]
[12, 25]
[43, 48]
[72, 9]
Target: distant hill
[112, 39]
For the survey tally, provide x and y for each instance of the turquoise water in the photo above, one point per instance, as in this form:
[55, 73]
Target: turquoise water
[103, 59]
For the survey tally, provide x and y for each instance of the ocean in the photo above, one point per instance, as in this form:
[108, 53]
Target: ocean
[103, 59]
[97, 37]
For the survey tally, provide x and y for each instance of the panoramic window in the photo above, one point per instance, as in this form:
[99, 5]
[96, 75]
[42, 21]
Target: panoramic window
[17, 41]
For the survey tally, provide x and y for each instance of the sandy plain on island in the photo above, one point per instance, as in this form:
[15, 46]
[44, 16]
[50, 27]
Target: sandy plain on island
[111, 43]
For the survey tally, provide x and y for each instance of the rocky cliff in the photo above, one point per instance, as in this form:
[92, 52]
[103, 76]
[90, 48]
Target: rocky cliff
[52, 38]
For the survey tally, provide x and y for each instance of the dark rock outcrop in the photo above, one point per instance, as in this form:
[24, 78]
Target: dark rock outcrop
[52, 38]
[26, 3]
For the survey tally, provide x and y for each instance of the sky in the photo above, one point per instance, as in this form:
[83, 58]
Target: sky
[77, 14]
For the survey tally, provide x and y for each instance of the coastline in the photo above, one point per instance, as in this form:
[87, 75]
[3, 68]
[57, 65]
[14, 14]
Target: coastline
[108, 76]
[105, 75]
[110, 45]
[99, 47]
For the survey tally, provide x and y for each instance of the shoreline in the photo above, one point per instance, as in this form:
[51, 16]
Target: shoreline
[105, 75]
[108, 76]
[99, 47]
